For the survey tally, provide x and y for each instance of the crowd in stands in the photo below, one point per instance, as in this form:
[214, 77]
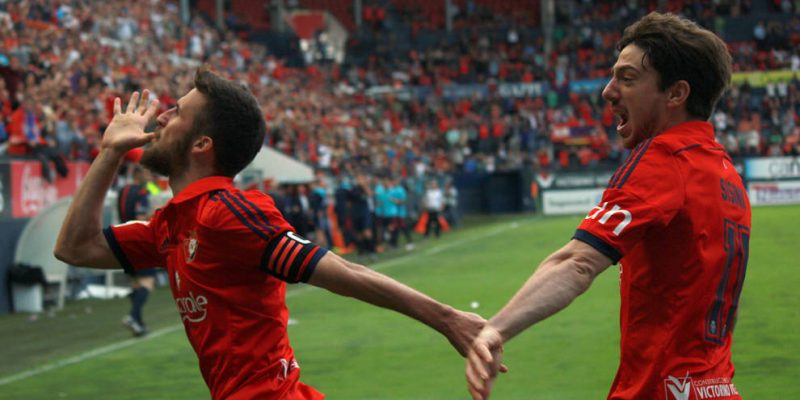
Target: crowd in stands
[63, 62]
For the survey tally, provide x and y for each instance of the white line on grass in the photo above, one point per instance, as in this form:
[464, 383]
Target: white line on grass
[163, 331]
[85, 356]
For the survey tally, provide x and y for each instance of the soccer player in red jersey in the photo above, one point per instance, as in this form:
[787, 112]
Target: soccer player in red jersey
[228, 252]
[675, 216]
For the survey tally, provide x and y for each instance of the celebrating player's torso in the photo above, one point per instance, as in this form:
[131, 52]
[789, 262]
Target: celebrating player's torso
[682, 242]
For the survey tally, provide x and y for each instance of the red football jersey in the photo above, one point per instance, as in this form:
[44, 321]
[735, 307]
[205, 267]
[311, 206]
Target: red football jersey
[677, 218]
[228, 254]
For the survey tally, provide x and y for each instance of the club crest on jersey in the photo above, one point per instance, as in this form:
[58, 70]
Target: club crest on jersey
[190, 246]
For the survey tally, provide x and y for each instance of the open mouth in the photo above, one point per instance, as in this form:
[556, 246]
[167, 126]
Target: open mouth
[622, 119]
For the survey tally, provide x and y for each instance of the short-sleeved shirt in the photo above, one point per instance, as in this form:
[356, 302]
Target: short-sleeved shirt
[399, 196]
[382, 206]
[677, 218]
[228, 254]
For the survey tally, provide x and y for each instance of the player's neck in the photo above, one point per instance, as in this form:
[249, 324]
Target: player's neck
[180, 181]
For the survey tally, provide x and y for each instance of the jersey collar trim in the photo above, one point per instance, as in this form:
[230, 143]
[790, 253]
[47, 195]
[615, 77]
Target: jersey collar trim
[691, 128]
[202, 186]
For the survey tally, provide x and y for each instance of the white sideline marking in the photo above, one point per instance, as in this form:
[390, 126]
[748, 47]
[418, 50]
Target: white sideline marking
[163, 331]
[85, 356]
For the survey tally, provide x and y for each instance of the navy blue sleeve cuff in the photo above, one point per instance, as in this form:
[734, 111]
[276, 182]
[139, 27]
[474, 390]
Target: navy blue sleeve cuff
[312, 264]
[598, 244]
[117, 250]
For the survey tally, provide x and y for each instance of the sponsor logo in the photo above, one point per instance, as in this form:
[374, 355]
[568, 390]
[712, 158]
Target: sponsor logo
[191, 307]
[36, 193]
[686, 388]
[190, 246]
[599, 210]
[679, 388]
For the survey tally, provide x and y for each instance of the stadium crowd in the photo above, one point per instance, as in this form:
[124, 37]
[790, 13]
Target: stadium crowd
[63, 62]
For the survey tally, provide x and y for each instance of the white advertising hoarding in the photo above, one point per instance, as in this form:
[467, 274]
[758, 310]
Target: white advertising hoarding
[772, 168]
[779, 192]
[576, 201]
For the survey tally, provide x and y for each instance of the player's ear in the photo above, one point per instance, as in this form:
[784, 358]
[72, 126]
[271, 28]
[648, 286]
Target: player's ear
[202, 144]
[678, 93]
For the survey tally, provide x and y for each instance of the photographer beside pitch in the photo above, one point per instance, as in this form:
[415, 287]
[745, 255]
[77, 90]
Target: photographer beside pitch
[675, 215]
[227, 252]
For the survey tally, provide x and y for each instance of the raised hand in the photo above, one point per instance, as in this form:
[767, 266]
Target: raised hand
[484, 361]
[126, 130]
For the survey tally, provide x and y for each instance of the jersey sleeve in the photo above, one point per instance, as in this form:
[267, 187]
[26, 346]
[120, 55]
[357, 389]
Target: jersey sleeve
[291, 258]
[255, 235]
[134, 244]
[645, 193]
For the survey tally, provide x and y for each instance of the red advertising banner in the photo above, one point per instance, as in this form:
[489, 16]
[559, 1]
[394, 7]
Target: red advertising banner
[31, 193]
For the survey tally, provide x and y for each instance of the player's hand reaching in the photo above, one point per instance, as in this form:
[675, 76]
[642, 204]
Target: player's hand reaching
[484, 361]
[126, 130]
[462, 328]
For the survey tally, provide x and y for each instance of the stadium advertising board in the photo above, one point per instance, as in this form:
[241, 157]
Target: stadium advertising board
[575, 201]
[574, 180]
[772, 168]
[769, 193]
[587, 85]
[761, 79]
[522, 89]
[30, 192]
[464, 91]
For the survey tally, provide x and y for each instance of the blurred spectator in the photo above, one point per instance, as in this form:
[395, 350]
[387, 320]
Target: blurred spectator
[433, 205]
[133, 204]
[397, 210]
[26, 138]
[451, 212]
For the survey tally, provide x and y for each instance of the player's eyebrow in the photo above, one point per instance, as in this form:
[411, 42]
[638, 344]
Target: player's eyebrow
[624, 68]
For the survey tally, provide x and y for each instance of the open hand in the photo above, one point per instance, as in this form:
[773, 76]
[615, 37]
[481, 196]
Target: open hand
[484, 361]
[126, 130]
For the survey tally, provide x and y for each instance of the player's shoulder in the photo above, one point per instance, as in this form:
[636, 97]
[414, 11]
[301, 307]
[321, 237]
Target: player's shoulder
[231, 208]
[650, 162]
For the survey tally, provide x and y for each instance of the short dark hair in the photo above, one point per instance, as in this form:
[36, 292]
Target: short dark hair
[679, 49]
[232, 118]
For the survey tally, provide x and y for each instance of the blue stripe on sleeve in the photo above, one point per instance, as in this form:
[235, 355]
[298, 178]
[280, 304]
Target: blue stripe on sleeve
[117, 250]
[257, 209]
[253, 218]
[644, 145]
[598, 244]
[621, 169]
[244, 220]
[312, 264]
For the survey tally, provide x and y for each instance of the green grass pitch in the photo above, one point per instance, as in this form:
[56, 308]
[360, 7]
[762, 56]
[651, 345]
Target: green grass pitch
[349, 350]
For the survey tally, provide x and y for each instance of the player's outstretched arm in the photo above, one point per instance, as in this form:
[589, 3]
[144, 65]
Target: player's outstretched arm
[81, 241]
[349, 279]
[560, 278]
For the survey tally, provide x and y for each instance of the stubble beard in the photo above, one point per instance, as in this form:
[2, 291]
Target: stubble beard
[165, 161]
[156, 160]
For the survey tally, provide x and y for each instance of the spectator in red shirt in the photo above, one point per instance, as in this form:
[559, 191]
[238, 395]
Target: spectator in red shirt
[25, 138]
